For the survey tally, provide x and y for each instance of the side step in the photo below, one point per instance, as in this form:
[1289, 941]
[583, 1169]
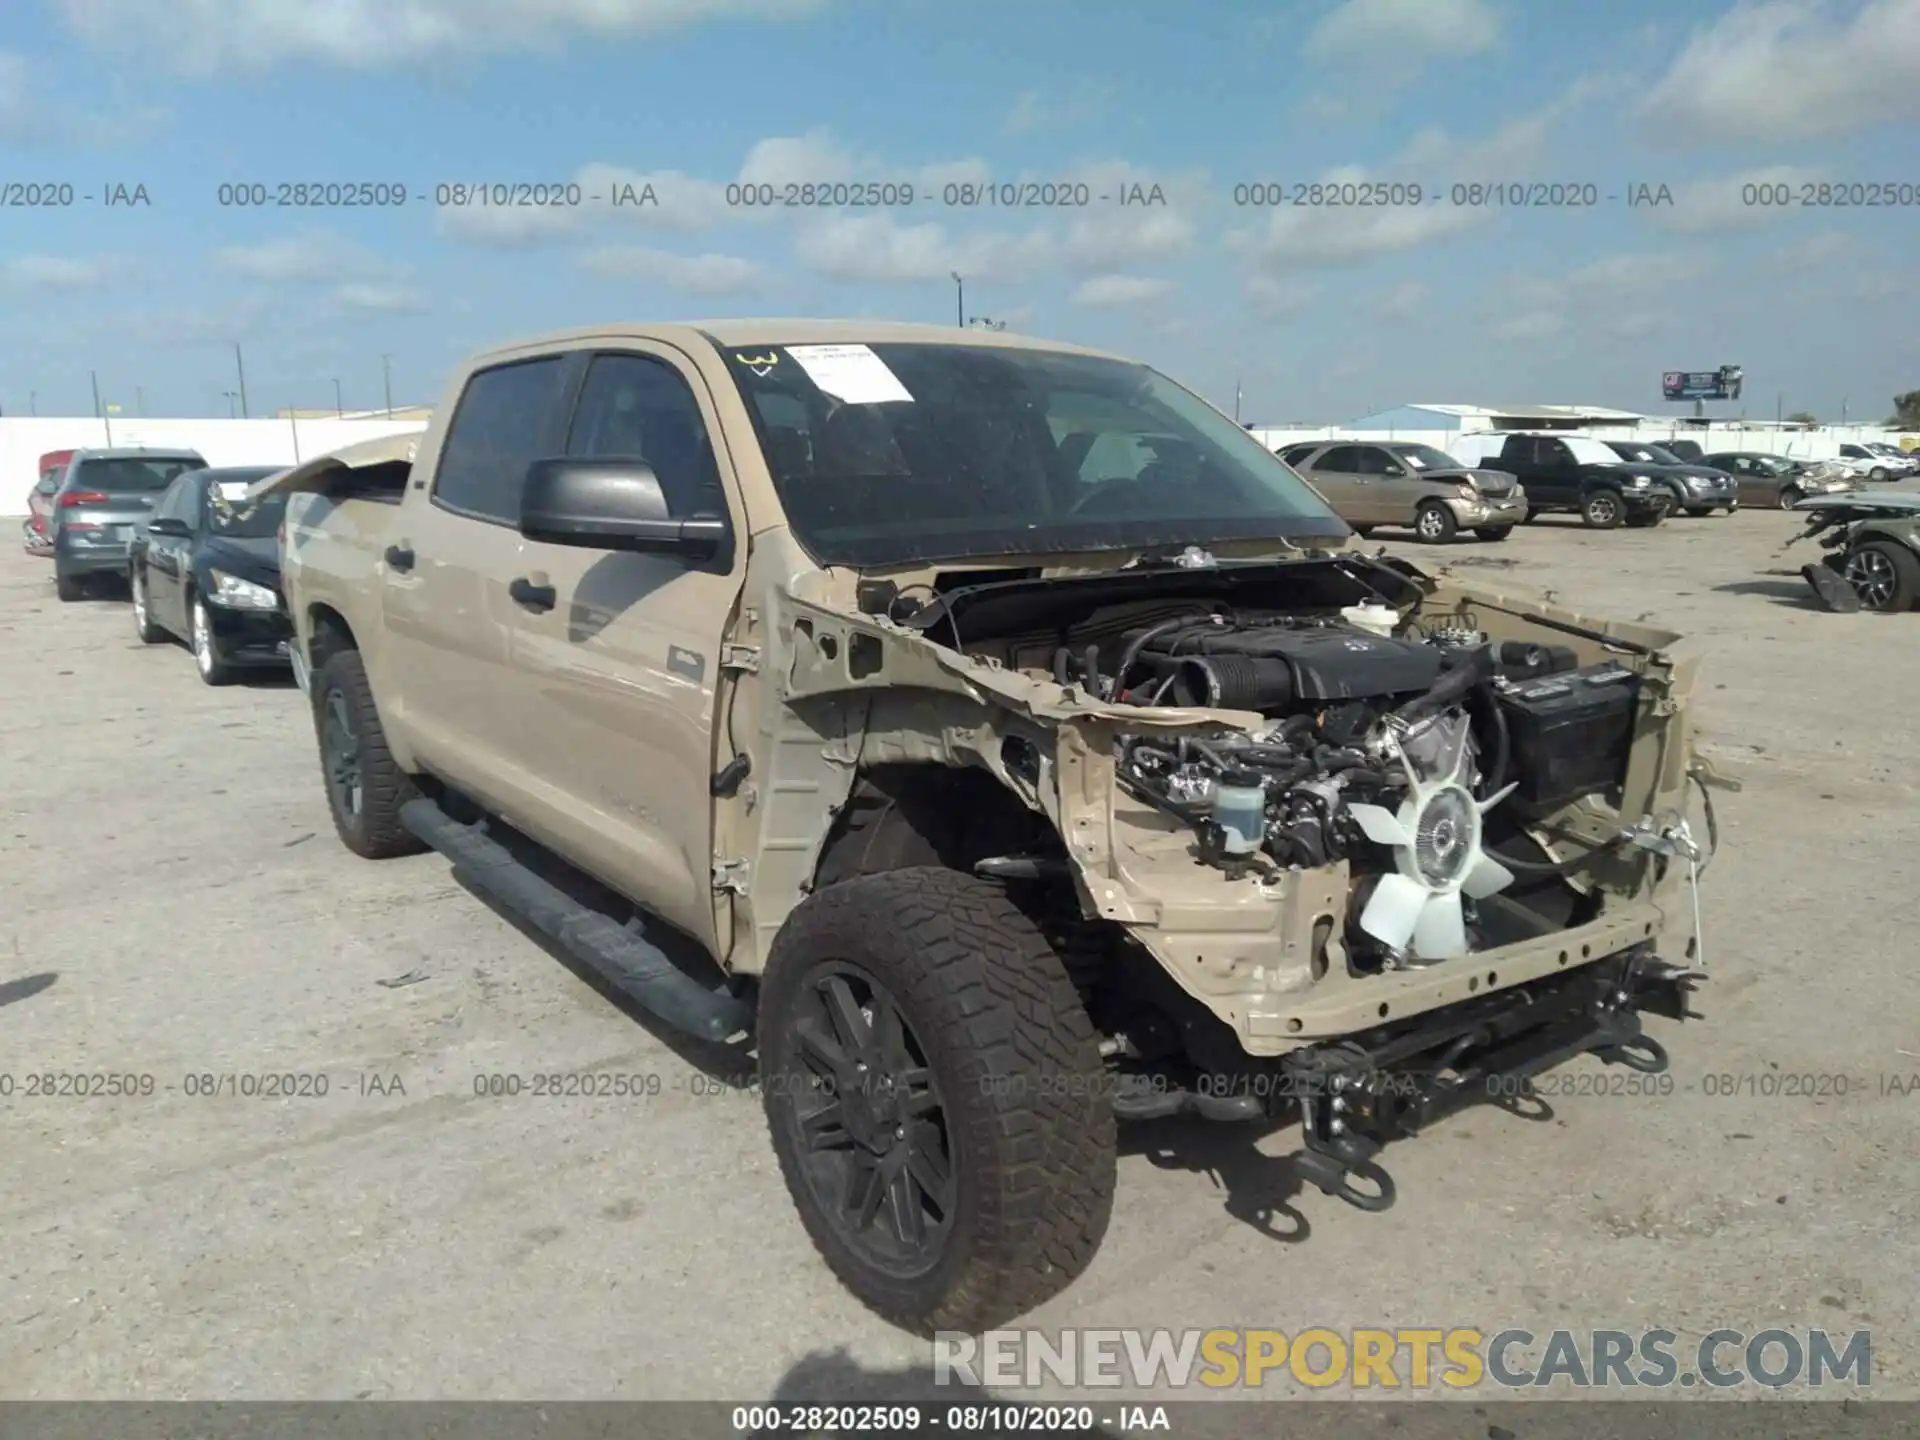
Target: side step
[636, 965]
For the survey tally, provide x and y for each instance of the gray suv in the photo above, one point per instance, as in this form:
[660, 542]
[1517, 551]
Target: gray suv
[102, 499]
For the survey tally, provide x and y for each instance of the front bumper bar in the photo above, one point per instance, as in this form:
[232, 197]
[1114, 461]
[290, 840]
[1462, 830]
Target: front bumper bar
[1358, 1093]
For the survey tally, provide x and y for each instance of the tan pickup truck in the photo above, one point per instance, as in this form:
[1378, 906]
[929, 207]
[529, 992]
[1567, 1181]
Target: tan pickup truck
[1004, 744]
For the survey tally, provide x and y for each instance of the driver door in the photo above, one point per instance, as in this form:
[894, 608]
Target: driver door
[618, 654]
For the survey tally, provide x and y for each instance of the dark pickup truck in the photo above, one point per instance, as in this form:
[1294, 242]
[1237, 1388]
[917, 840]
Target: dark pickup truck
[1572, 474]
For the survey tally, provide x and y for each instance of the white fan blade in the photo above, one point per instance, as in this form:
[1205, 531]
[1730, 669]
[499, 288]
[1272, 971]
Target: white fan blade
[1380, 824]
[1498, 795]
[1487, 876]
[1393, 909]
[1441, 931]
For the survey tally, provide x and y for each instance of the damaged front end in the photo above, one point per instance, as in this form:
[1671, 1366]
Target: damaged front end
[1325, 833]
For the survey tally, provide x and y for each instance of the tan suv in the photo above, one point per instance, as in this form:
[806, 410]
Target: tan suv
[1414, 487]
[1007, 745]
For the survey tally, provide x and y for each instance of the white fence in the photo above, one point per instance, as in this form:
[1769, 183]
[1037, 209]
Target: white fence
[223, 442]
[1821, 444]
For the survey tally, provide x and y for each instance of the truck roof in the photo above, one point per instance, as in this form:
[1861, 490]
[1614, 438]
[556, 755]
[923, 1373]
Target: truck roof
[690, 334]
[139, 452]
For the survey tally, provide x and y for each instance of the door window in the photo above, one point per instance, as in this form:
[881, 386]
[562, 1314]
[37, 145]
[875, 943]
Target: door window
[1341, 460]
[636, 407]
[499, 428]
[1372, 460]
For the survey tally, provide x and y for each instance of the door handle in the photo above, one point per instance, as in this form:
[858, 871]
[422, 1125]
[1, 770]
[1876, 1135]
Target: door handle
[400, 557]
[525, 593]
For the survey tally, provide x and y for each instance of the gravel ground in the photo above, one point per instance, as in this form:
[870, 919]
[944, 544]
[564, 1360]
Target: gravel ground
[176, 905]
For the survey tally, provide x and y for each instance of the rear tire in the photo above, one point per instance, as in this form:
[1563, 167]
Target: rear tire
[1602, 510]
[1494, 532]
[1646, 519]
[1434, 523]
[996, 1139]
[365, 788]
[69, 587]
[1884, 574]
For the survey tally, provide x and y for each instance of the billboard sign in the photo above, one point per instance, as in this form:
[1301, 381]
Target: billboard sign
[1721, 384]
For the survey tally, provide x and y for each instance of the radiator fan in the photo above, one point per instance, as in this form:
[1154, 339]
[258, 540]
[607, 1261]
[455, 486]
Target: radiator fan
[1435, 837]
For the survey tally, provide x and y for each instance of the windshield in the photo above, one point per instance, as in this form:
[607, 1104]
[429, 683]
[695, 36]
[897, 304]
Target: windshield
[895, 453]
[1425, 457]
[229, 514]
[1591, 452]
[129, 475]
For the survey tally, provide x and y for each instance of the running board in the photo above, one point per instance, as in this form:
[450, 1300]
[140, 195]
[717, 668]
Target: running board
[637, 966]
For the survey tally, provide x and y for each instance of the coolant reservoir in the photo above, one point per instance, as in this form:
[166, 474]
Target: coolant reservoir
[1240, 810]
[1374, 616]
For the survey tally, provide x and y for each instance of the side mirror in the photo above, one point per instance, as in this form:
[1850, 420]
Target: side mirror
[1393, 471]
[167, 525]
[610, 503]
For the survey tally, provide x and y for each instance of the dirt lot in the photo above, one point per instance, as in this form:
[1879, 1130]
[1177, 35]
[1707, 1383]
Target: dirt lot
[176, 905]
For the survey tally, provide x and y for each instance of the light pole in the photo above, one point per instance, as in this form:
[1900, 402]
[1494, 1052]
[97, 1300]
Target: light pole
[98, 409]
[386, 371]
[33, 401]
[139, 402]
[339, 410]
[240, 365]
[231, 396]
[959, 300]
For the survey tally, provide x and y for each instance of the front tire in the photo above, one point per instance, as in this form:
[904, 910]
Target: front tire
[1602, 510]
[1434, 523]
[1646, 519]
[365, 787]
[1884, 574]
[936, 1098]
[1494, 532]
[1878, 472]
[207, 657]
[143, 626]
[1791, 496]
[1700, 512]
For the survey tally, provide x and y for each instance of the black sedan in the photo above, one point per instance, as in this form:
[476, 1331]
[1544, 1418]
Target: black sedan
[206, 569]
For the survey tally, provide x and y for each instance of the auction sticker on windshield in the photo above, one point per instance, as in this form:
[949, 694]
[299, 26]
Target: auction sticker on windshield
[851, 373]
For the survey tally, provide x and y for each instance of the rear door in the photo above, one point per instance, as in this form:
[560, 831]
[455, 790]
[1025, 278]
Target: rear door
[1558, 471]
[444, 576]
[1335, 473]
[621, 666]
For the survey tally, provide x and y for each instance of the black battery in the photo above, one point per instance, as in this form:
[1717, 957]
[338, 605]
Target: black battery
[1571, 734]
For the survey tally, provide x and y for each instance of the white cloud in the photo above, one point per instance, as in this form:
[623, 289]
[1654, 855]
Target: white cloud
[1791, 70]
[394, 299]
[1134, 216]
[316, 258]
[877, 247]
[1120, 292]
[1416, 30]
[508, 227]
[203, 37]
[1403, 302]
[1530, 325]
[64, 272]
[692, 274]
[1733, 202]
[1279, 299]
[1615, 276]
[1056, 110]
[1818, 252]
[35, 112]
[1340, 235]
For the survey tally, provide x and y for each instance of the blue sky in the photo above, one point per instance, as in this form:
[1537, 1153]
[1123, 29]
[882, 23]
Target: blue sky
[1318, 313]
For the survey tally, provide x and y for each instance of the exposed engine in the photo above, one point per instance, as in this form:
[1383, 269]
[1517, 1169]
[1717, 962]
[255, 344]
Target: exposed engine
[1385, 751]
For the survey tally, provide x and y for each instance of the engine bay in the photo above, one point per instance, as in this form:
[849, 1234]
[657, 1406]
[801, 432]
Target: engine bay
[1385, 751]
